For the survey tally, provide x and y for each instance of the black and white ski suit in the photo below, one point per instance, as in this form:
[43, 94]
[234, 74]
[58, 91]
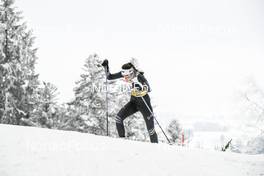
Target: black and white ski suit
[136, 103]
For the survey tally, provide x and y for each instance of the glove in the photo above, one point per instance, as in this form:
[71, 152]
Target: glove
[105, 63]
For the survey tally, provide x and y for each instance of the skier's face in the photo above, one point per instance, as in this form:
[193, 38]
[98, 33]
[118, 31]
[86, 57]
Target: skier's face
[128, 74]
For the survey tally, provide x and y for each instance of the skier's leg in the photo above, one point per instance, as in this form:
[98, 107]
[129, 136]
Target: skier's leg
[146, 109]
[129, 109]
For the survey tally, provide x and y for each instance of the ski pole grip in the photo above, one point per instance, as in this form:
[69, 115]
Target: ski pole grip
[105, 63]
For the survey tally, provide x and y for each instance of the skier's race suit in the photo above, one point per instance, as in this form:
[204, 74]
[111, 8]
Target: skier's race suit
[139, 101]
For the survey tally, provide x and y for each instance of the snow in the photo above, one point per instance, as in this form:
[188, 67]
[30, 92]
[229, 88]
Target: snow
[29, 151]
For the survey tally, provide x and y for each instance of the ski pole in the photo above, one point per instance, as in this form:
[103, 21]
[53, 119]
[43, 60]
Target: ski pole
[106, 94]
[156, 120]
[106, 100]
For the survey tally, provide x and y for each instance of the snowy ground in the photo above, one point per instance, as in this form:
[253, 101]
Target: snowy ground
[27, 151]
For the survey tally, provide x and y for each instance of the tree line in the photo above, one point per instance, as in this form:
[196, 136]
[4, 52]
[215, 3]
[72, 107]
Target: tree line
[27, 100]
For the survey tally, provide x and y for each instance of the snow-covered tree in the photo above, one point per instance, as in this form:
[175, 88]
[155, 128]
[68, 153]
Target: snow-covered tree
[47, 108]
[90, 96]
[174, 131]
[18, 80]
[252, 101]
[253, 97]
[67, 118]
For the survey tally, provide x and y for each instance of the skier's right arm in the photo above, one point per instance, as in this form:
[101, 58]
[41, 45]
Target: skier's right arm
[108, 74]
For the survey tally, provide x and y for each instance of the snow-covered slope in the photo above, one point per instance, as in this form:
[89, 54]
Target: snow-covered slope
[28, 151]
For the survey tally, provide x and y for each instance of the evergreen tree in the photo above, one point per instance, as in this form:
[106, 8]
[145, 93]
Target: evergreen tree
[18, 80]
[252, 96]
[174, 131]
[68, 119]
[45, 112]
[90, 96]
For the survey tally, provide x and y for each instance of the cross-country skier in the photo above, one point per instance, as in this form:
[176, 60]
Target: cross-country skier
[139, 101]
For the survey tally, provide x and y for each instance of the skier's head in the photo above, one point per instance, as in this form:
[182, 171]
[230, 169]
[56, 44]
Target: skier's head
[128, 71]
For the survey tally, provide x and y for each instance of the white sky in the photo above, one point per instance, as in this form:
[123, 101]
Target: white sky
[194, 53]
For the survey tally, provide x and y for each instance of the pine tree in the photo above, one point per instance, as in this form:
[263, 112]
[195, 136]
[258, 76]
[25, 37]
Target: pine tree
[90, 96]
[252, 101]
[44, 114]
[174, 131]
[67, 118]
[18, 80]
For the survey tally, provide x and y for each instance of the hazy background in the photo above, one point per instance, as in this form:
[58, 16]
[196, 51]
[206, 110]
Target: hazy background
[195, 53]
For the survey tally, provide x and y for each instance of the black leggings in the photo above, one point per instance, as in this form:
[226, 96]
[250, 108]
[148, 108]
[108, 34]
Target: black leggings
[134, 105]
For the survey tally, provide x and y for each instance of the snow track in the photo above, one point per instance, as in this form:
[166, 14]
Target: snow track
[28, 151]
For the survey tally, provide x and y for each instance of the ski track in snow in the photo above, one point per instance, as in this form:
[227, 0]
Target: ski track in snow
[29, 151]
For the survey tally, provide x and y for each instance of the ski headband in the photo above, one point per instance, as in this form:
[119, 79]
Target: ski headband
[126, 72]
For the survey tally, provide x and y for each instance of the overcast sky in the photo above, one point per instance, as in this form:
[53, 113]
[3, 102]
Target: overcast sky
[195, 53]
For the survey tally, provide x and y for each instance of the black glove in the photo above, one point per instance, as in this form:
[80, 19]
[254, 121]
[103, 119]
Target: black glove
[105, 63]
